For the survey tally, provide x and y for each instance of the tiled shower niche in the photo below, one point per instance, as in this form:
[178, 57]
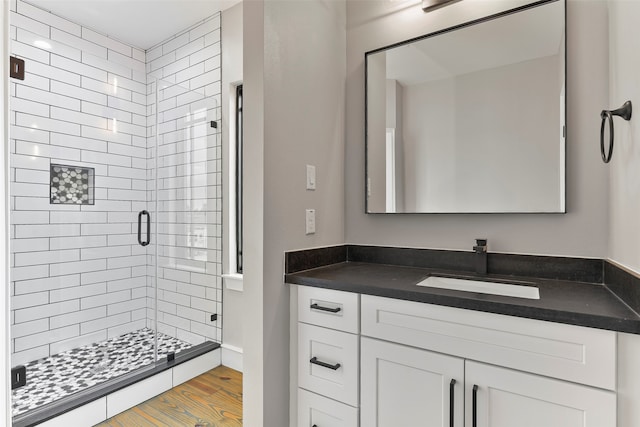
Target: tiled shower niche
[72, 185]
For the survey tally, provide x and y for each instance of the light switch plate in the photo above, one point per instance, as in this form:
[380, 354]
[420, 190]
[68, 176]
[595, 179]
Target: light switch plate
[310, 221]
[311, 177]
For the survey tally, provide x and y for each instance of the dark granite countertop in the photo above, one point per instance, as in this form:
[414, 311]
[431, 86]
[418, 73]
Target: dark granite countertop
[564, 301]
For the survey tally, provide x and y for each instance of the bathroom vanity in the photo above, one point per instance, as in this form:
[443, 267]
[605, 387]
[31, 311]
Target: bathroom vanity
[375, 349]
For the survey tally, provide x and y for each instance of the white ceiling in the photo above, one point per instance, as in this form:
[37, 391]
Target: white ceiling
[140, 23]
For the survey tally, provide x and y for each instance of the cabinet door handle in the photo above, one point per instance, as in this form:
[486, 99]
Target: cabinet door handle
[452, 386]
[315, 306]
[474, 408]
[315, 361]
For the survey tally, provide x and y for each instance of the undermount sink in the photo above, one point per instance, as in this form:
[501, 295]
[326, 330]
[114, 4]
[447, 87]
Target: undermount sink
[483, 287]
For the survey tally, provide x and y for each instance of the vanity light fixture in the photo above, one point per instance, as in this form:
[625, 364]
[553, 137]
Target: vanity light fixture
[430, 5]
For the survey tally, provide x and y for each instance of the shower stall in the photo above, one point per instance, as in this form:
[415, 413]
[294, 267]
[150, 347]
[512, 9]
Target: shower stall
[116, 201]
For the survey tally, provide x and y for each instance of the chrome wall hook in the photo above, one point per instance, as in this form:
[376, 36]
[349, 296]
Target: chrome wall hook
[624, 112]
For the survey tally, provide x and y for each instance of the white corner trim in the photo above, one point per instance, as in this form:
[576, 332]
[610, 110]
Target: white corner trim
[234, 282]
[232, 357]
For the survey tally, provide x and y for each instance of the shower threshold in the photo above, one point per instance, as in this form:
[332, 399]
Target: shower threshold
[91, 373]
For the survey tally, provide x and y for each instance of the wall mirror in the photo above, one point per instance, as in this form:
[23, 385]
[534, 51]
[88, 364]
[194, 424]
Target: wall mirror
[470, 119]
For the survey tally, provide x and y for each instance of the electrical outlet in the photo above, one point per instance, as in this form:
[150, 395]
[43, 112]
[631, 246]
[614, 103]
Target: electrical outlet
[311, 177]
[214, 317]
[310, 221]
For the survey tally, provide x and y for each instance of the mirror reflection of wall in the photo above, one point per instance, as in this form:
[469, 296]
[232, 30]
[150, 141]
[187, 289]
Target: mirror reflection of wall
[477, 117]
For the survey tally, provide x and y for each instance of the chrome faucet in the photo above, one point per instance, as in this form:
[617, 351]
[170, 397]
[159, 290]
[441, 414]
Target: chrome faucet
[481, 256]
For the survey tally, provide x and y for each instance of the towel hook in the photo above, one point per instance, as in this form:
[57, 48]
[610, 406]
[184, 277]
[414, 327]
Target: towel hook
[625, 113]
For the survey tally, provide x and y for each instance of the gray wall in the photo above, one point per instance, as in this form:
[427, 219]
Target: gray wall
[395, 94]
[430, 164]
[231, 75]
[624, 168]
[580, 232]
[377, 124]
[294, 74]
[472, 167]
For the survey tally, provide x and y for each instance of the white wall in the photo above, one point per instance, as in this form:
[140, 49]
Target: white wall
[624, 168]
[294, 71]
[379, 23]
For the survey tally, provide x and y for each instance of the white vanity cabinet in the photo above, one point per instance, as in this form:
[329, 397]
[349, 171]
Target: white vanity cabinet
[328, 358]
[405, 386]
[547, 374]
[435, 366]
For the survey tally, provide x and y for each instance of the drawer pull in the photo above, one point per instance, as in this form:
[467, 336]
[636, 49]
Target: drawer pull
[315, 361]
[474, 405]
[451, 401]
[315, 306]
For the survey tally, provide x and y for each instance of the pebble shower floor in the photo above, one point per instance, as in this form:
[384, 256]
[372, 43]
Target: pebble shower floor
[69, 372]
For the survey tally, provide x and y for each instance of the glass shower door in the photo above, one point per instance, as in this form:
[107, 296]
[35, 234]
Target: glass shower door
[188, 226]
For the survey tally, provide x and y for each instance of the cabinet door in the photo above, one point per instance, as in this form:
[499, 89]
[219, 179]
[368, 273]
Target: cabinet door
[506, 398]
[407, 387]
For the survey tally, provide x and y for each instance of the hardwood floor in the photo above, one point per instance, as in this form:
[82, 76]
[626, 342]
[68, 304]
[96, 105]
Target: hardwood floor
[213, 399]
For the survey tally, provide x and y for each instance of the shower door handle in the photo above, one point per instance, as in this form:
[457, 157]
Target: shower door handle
[144, 242]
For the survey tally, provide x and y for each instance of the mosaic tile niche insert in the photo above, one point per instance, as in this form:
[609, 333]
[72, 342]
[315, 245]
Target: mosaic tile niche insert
[72, 185]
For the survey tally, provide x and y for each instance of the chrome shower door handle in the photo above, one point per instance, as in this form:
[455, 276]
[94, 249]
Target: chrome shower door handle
[140, 241]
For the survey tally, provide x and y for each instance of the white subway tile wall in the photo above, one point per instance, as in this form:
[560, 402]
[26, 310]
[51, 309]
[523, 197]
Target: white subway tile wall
[78, 273]
[189, 182]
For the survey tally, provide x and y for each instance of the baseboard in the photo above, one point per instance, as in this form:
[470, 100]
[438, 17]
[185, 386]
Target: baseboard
[232, 357]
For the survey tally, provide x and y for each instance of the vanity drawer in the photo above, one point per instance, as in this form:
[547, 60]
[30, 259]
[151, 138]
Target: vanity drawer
[329, 308]
[574, 353]
[328, 363]
[317, 410]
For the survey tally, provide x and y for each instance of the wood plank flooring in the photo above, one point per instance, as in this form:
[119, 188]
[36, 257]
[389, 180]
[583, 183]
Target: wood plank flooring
[213, 399]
